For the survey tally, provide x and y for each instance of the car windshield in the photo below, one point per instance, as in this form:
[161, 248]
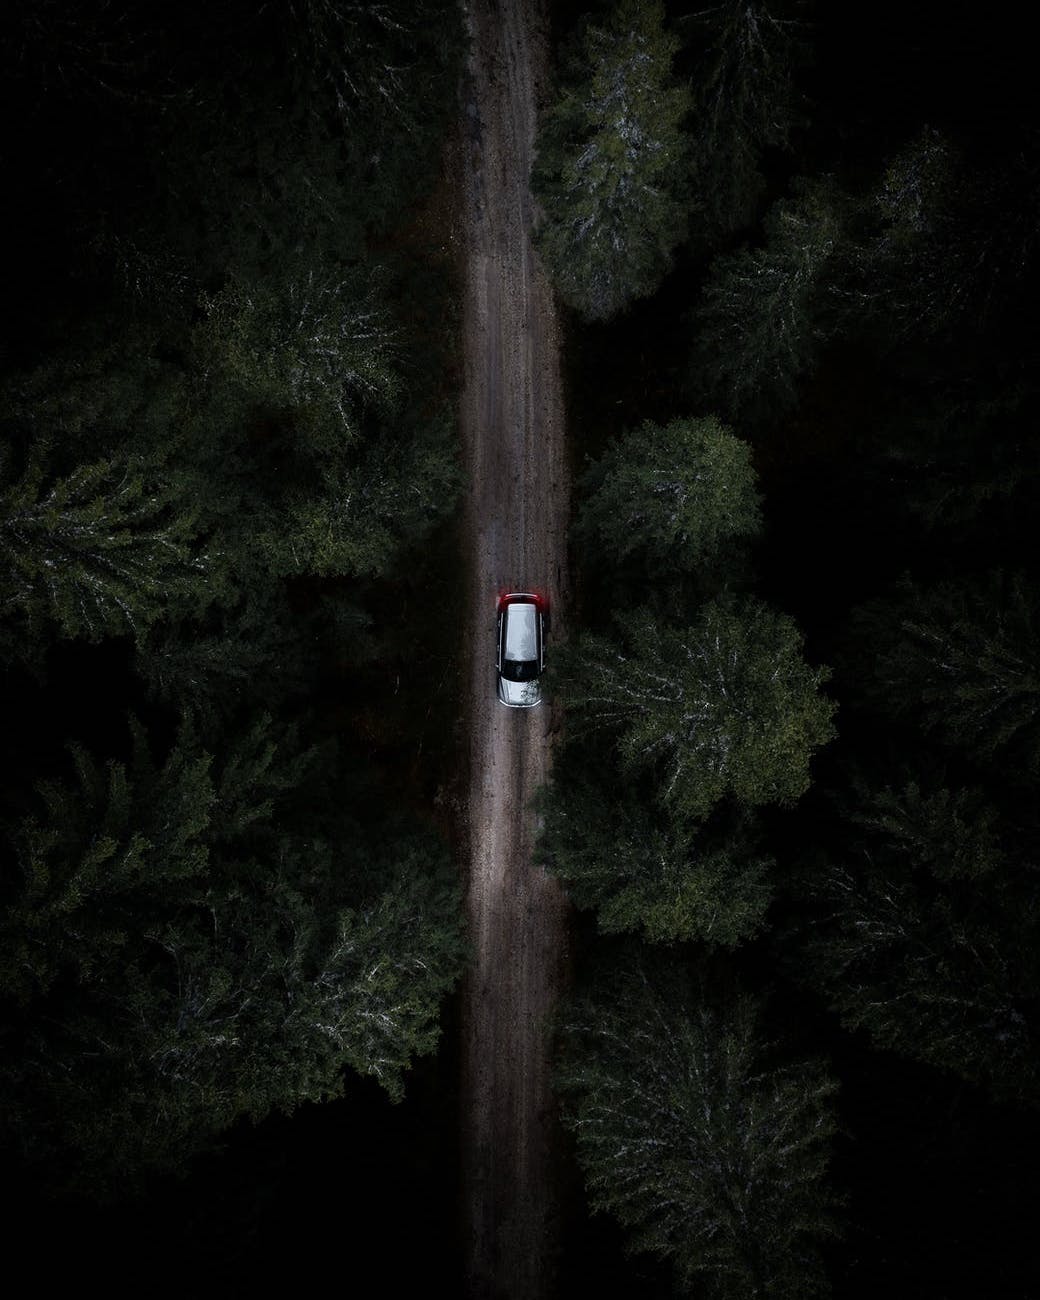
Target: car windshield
[520, 670]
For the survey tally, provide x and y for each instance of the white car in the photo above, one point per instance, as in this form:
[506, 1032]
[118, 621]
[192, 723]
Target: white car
[521, 648]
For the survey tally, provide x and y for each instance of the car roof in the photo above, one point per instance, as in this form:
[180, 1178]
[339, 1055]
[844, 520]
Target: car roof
[521, 640]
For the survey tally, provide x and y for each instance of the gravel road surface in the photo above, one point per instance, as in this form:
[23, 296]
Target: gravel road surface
[516, 518]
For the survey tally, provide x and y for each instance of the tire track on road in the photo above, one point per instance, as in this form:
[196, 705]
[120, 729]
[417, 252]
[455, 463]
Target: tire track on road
[516, 519]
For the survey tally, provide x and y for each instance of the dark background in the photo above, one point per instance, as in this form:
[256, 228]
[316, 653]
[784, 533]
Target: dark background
[940, 1180]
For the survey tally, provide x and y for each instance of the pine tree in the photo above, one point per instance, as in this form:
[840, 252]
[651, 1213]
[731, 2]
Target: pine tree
[766, 311]
[924, 934]
[661, 876]
[316, 341]
[370, 56]
[94, 856]
[961, 658]
[611, 157]
[950, 243]
[369, 504]
[191, 942]
[708, 1148]
[726, 706]
[953, 833]
[105, 549]
[349, 468]
[675, 494]
[743, 102]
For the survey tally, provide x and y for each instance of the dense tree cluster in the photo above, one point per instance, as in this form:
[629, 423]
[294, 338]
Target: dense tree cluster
[805, 237]
[611, 162]
[850, 314]
[184, 949]
[223, 439]
[634, 156]
[697, 704]
[708, 1147]
[690, 708]
[744, 102]
[676, 495]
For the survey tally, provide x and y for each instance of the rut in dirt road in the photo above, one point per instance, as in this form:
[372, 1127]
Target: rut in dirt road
[516, 520]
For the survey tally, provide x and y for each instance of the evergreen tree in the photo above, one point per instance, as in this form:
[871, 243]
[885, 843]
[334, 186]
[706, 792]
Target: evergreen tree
[766, 311]
[664, 877]
[238, 655]
[114, 387]
[105, 549]
[387, 76]
[98, 850]
[726, 706]
[951, 243]
[318, 342]
[925, 935]
[709, 1148]
[181, 950]
[952, 833]
[961, 658]
[368, 55]
[349, 468]
[675, 494]
[611, 156]
[369, 504]
[743, 102]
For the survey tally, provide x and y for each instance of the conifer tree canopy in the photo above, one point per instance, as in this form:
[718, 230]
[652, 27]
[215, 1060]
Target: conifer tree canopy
[724, 706]
[611, 158]
[710, 1150]
[674, 494]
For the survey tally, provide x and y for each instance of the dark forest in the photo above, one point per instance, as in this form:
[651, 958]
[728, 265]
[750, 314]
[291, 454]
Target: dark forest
[797, 244]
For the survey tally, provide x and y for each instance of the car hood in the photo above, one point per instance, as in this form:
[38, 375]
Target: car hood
[519, 694]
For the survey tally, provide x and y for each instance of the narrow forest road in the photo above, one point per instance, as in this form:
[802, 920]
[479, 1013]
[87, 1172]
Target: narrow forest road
[516, 519]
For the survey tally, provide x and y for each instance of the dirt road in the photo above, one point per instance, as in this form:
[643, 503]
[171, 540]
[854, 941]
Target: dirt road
[513, 432]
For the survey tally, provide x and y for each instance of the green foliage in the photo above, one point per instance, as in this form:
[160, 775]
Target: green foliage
[105, 549]
[368, 54]
[674, 494]
[766, 311]
[98, 848]
[925, 935]
[244, 130]
[912, 215]
[285, 434]
[367, 504]
[950, 242]
[611, 157]
[710, 1150]
[347, 468]
[249, 651]
[952, 833]
[743, 102]
[111, 386]
[318, 342]
[184, 953]
[666, 878]
[221, 417]
[726, 706]
[389, 73]
[960, 658]
[392, 964]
